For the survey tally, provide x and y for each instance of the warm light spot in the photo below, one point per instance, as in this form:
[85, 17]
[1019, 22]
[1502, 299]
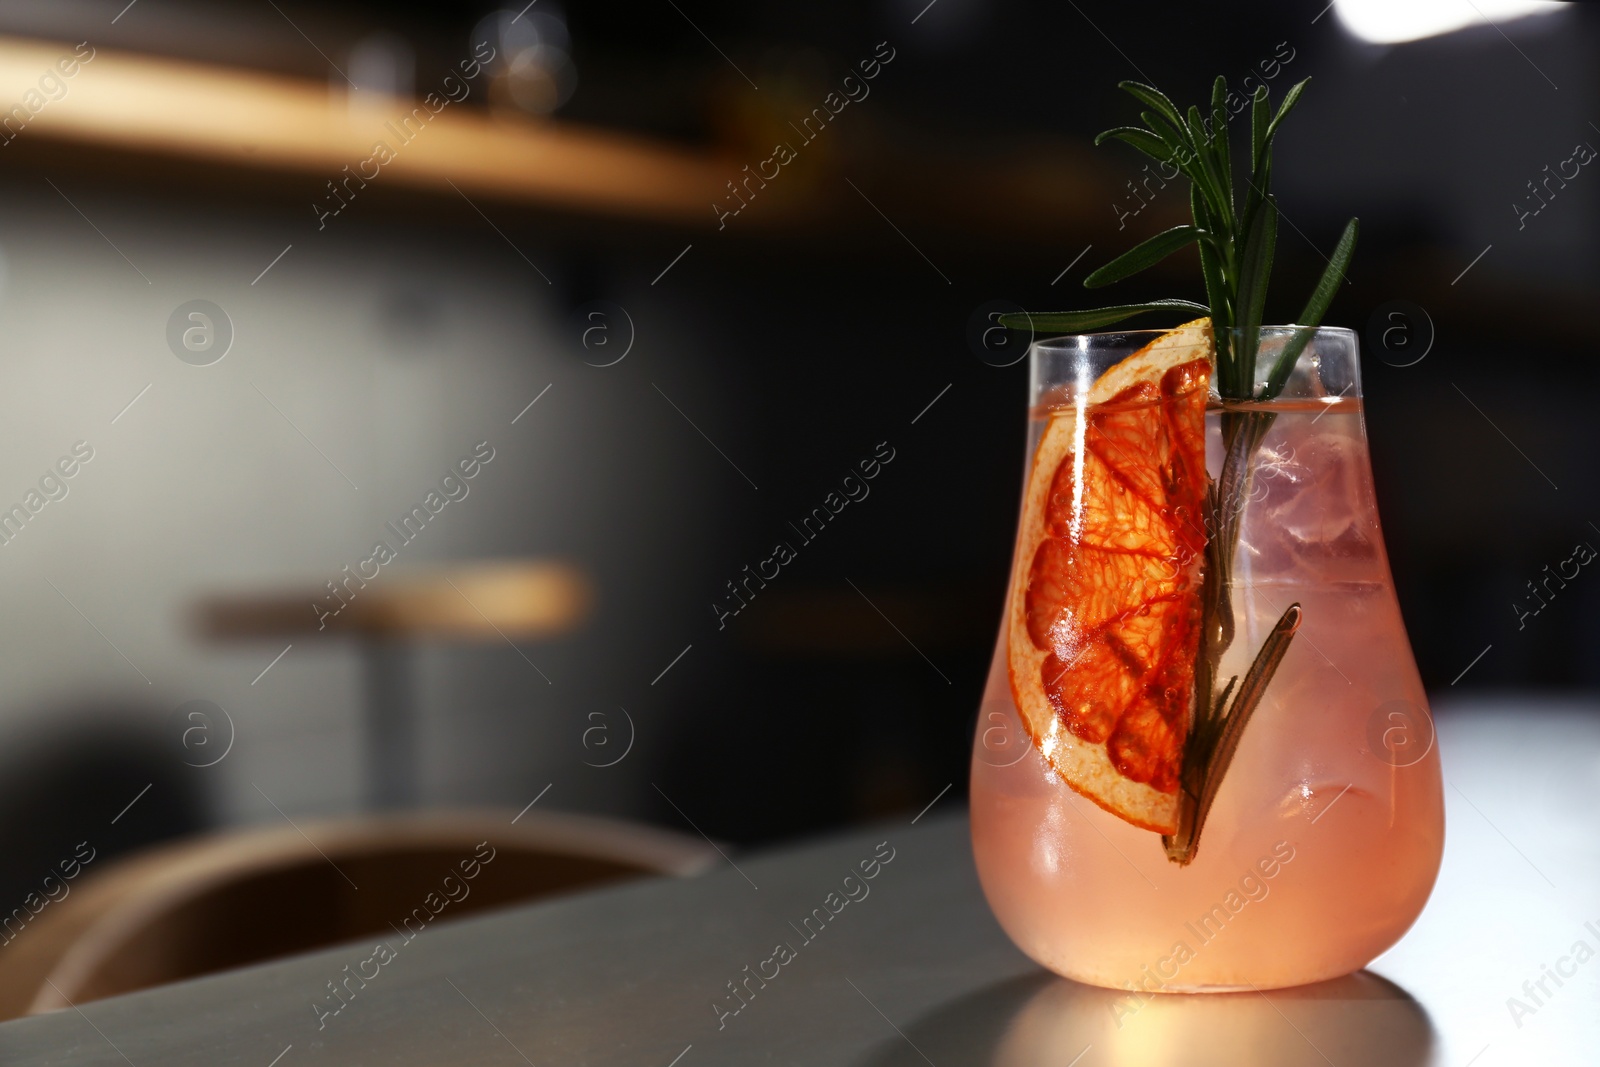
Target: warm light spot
[1388, 22]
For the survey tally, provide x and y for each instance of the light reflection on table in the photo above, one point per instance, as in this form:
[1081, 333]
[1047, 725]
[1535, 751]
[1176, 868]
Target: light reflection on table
[1041, 1020]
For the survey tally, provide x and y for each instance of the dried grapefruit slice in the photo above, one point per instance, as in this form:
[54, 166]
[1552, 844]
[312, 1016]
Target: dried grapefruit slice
[1104, 612]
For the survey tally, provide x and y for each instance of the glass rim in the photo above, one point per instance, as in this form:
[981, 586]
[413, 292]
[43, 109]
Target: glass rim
[1074, 362]
[1075, 340]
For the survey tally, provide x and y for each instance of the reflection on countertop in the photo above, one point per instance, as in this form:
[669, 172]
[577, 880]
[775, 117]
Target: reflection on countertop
[1041, 1019]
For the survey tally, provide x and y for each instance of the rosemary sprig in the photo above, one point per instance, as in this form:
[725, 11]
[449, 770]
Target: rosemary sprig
[1235, 229]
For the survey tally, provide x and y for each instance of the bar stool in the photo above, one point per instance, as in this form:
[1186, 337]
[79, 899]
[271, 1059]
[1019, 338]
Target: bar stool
[486, 601]
[240, 897]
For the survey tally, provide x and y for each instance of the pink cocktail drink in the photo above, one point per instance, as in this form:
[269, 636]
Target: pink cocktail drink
[1325, 836]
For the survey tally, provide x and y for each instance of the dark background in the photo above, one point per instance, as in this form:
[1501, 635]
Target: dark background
[811, 328]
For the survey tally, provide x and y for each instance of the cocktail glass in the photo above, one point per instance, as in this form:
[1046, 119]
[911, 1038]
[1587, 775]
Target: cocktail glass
[1324, 837]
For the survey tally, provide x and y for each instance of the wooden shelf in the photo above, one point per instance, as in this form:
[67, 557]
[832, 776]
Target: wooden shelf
[126, 102]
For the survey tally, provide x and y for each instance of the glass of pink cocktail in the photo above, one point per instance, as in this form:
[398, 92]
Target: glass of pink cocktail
[1204, 759]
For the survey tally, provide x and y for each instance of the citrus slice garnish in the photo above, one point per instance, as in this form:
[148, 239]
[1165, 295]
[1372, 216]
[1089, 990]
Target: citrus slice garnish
[1104, 612]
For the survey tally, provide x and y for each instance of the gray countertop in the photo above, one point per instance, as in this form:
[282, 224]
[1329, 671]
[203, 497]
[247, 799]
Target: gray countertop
[916, 971]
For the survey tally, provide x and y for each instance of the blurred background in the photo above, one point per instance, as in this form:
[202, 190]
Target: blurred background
[278, 268]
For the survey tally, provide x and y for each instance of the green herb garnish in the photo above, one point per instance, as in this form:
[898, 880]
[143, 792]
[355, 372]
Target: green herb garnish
[1236, 231]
